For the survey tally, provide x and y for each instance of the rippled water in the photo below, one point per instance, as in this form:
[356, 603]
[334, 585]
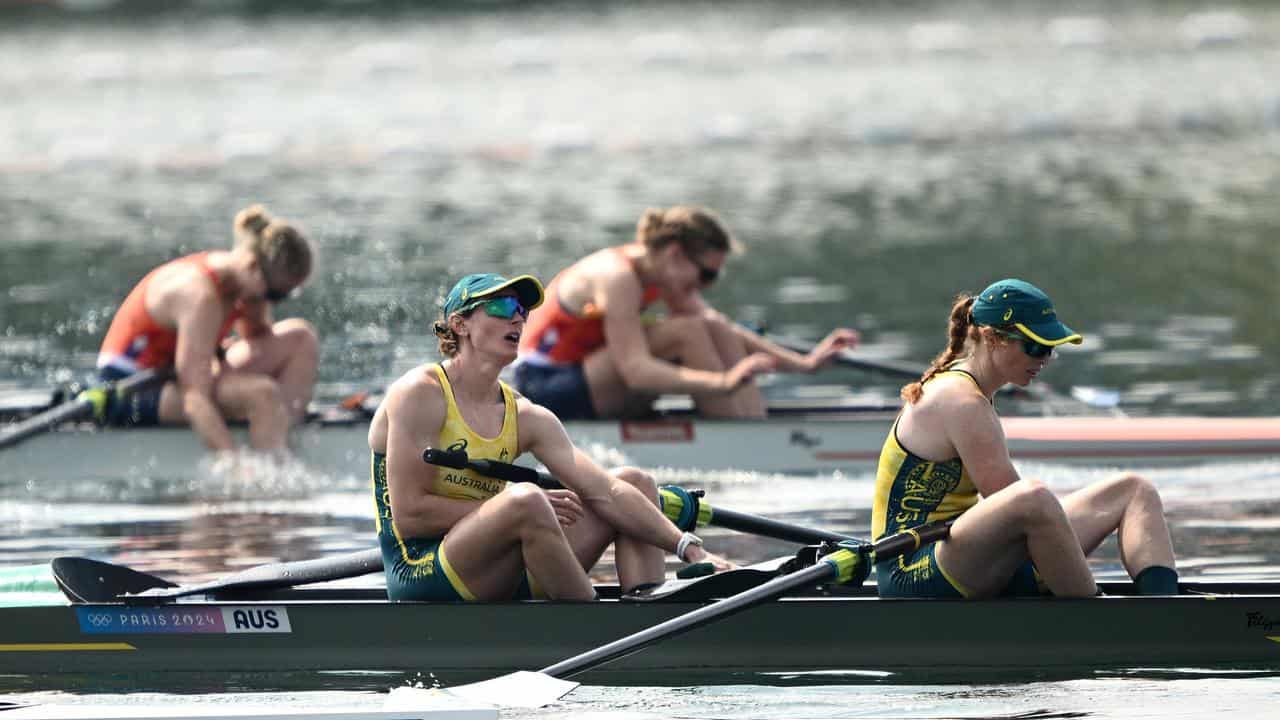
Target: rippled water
[874, 161]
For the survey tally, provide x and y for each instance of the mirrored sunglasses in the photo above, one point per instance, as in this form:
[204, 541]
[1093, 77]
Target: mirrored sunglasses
[503, 307]
[1029, 346]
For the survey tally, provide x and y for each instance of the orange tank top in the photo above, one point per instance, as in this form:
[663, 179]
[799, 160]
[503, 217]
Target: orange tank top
[136, 341]
[554, 335]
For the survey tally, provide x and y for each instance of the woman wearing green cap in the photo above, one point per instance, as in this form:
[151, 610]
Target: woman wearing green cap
[448, 534]
[594, 351]
[946, 457]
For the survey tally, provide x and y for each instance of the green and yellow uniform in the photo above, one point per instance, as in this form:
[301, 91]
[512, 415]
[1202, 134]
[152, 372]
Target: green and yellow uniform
[911, 491]
[416, 567]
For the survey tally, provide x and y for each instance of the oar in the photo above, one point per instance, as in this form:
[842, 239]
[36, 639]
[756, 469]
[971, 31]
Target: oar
[686, 509]
[849, 564]
[84, 406]
[85, 580]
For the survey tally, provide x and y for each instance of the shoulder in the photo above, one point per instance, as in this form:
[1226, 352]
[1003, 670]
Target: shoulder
[532, 415]
[183, 282]
[416, 390]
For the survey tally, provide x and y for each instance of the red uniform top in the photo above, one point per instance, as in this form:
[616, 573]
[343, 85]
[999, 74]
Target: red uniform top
[555, 336]
[136, 341]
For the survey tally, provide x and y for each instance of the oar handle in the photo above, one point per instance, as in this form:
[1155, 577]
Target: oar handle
[910, 540]
[458, 460]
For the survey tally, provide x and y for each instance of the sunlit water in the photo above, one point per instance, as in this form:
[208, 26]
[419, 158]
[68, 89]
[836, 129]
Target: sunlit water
[874, 162]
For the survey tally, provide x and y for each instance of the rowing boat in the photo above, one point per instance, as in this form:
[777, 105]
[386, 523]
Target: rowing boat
[819, 628]
[808, 437]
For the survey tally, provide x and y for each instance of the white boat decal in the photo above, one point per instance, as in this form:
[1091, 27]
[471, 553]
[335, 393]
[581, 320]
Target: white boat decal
[102, 620]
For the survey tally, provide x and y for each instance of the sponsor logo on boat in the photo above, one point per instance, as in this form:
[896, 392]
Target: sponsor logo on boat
[178, 620]
[804, 439]
[672, 431]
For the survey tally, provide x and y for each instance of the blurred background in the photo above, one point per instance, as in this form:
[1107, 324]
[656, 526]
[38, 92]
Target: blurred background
[874, 158]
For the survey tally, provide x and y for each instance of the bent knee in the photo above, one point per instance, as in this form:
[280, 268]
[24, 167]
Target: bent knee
[1033, 500]
[298, 333]
[1137, 487]
[638, 479]
[525, 503]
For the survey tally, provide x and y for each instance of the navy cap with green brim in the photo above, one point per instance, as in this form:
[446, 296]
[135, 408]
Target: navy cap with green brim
[1024, 306]
[478, 286]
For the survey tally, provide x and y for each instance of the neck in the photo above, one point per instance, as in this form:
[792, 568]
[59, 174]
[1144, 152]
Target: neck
[474, 378]
[984, 371]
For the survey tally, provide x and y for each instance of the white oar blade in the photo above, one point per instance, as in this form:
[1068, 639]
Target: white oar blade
[519, 689]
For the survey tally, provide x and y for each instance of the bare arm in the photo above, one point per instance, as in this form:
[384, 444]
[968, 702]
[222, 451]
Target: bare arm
[620, 504]
[790, 361]
[973, 428]
[198, 315]
[415, 411]
[255, 319]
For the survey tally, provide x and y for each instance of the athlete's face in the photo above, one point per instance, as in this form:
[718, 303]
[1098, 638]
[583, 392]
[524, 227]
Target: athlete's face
[1010, 354]
[494, 324]
[690, 272]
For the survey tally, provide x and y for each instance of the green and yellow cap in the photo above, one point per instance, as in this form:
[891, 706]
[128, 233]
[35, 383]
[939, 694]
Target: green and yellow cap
[478, 286]
[1024, 306]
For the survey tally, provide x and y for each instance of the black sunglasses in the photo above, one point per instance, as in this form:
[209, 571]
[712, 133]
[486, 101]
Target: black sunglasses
[1030, 347]
[706, 275]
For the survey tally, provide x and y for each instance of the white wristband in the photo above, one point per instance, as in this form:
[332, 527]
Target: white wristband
[686, 540]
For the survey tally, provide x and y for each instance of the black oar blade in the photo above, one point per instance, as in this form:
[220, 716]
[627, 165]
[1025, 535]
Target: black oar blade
[84, 580]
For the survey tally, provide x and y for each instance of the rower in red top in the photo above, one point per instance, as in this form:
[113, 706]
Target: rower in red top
[593, 351]
[182, 315]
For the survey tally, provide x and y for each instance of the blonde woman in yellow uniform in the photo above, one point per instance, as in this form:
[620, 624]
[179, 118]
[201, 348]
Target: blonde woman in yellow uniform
[946, 457]
[455, 535]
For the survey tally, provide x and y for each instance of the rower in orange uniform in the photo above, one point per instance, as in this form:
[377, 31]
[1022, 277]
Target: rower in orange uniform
[592, 351]
[182, 314]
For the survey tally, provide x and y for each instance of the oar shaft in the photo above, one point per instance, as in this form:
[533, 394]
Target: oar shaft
[677, 625]
[36, 424]
[766, 527]
[824, 569]
[78, 409]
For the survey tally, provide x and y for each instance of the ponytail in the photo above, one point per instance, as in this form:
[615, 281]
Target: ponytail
[275, 241]
[958, 331]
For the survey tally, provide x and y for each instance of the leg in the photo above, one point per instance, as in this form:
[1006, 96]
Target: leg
[289, 354]
[1129, 505]
[993, 538]
[240, 396]
[516, 529]
[687, 340]
[255, 398]
[638, 563]
[731, 348]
